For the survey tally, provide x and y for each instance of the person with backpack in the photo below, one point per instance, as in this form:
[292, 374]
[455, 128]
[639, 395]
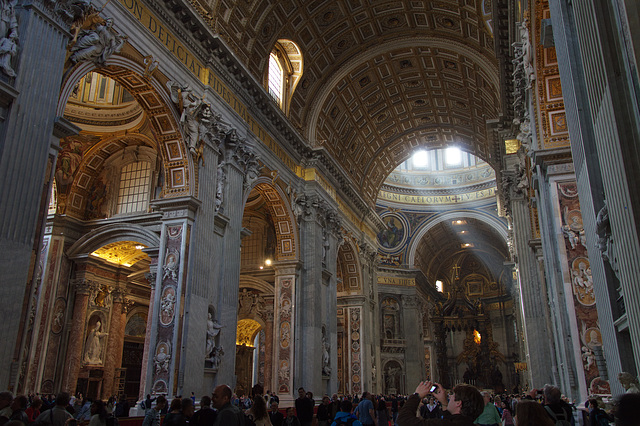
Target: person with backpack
[559, 411]
[344, 416]
[56, 416]
[152, 417]
[597, 416]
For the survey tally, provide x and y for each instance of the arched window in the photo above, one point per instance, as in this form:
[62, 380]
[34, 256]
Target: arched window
[133, 193]
[276, 78]
[283, 72]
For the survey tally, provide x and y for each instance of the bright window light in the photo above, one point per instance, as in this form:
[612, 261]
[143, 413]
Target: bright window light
[420, 159]
[453, 157]
[439, 286]
[275, 78]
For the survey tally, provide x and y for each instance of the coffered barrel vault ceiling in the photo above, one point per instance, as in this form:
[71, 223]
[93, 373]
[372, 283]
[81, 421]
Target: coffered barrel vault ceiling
[380, 77]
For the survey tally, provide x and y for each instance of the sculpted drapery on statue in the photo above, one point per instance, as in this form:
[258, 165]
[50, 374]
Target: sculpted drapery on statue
[94, 345]
[97, 43]
[8, 36]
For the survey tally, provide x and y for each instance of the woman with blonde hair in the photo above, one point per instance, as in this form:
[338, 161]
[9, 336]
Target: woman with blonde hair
[532, 413]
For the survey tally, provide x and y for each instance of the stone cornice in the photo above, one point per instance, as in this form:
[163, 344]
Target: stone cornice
[194, 31]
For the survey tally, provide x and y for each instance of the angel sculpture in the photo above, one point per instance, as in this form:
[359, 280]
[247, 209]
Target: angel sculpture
[191, 108]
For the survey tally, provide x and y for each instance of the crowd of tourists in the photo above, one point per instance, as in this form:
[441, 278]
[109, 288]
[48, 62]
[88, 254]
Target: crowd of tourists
[430, 405]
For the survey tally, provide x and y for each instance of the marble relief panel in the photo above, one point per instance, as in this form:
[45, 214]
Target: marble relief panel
[285, 348]
[163, 352]
[581, 284]
[355, 349]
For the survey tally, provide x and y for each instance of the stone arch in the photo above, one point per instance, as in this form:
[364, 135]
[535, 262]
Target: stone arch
[111, 233]
[494, 222]
[349, 277]
[87, 183]
[180, 173]
[285, 227]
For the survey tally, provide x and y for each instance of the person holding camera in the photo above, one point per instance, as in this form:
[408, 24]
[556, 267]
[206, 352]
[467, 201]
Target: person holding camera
[463, 406]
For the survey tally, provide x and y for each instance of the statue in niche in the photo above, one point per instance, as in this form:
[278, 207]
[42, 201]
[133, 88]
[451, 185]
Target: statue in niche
[97, 43]
[216, 357]
[326, 368]
[628, 382]
[8, 36]
[392, 378]
[221, 177]
[605, 238]
[213, 330]
[325, 246]
[94, 345]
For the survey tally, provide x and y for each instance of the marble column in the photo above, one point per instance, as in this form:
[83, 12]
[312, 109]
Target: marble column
[414, 351]
[77, 336]
[600, 143]
[26, 99]
[151, 277]
[314, 215]
[115, 342]
[170, 314]
[370, 329]
[535, 307]
[229, 271]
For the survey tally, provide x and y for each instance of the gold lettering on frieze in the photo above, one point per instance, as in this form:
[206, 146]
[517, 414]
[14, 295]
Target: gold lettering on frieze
[397, 281]
[159, 31]
[437, 199]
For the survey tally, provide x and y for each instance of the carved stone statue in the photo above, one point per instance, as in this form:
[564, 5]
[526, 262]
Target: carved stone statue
[629, 382]
[8, 36]
[93, 346]
[221, 178]
[189, 106]
[213, 330]
[162, 359]
[97, 44]
[605, 239]
[216, 357]
[326, 368]
[392, 378]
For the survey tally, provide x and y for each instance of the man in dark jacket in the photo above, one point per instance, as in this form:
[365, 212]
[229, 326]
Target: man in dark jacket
[228, 415]
[464, 405]
[275, 415]
[205, 416]
[304, 408]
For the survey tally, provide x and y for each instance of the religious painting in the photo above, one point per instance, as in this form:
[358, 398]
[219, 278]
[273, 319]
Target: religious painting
[393, 236]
